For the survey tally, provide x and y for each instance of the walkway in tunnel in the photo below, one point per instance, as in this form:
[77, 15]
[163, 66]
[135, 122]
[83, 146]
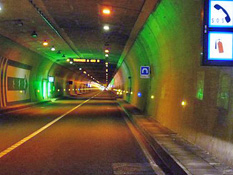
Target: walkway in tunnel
[92, 139]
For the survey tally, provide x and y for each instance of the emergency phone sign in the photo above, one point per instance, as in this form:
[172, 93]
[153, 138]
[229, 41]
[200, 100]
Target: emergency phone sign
[218, 33]
[221, 13]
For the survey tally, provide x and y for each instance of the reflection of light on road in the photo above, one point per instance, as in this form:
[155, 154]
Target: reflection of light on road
[16, 145]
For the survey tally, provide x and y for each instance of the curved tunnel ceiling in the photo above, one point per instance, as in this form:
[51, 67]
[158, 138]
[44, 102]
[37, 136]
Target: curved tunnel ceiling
[75, 29]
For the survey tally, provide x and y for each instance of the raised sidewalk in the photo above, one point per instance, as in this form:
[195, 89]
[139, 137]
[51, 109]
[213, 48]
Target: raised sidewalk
[180, 156]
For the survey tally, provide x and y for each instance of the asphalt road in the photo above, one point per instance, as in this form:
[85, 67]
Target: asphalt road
[64, 138]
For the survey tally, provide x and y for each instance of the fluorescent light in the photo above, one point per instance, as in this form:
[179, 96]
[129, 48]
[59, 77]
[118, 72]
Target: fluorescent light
[53, 48]
[106, 27]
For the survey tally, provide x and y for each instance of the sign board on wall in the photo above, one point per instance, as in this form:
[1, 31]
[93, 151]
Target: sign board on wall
[218, 33]
[145, 72]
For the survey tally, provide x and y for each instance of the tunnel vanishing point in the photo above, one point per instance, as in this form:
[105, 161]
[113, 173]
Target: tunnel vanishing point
[54, 49]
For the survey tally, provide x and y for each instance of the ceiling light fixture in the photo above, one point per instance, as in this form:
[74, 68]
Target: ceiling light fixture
[106, 51]
[33, 34]
[53, 48]
[106, 55]
[106, 27]
[45, 43]
[106, 11]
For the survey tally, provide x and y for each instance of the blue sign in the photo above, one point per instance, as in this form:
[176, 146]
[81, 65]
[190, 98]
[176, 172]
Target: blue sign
[145, 72]
[218, 33]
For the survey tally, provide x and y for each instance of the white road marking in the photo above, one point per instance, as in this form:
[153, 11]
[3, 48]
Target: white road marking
[16, 145]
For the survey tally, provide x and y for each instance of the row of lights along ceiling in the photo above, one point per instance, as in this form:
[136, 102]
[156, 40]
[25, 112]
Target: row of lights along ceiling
[106, 11]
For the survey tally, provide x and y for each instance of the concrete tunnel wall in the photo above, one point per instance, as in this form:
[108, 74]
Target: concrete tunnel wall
[171, 44]
[23, 72]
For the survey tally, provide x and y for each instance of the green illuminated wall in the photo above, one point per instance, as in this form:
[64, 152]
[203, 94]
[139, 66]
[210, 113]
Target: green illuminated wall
[26, 63]
[171, 43]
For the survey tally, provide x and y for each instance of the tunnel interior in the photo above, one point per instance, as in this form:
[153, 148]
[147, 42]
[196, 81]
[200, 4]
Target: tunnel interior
[190, 99]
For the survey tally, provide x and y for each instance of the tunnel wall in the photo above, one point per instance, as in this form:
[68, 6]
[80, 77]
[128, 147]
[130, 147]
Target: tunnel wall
[23, 73]
[190, 99]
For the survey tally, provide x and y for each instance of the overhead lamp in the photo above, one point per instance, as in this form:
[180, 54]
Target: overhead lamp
[106, 11]
[106, 51]
[53, 48]
[33, 34]
[68, 60]
[80, 68]
[106, 55]
[106, 27]
[71, 62]
[45, 43]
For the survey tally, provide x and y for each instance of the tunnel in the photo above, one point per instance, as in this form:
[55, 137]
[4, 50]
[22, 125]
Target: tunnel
[100, 87]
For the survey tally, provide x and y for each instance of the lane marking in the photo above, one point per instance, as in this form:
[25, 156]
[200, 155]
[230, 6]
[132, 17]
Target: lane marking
[154, 166]
[19, 143]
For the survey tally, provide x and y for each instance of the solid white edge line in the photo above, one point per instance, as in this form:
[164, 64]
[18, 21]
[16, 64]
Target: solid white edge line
[154, 166]
[16, 145]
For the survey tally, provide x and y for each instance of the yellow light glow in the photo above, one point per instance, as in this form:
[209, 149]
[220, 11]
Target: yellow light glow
[98, 61]
[68, 60]
[106, 70]
[152, 97]
[79, 60]
[93, 61]
[184, 103]
[64, 89]
[58, 90]
[69, 89]
[38, 91]
[45, 43]
[88, 61]
[21, 92]
[131, 92]
[84, 72]
[106, 11]
[106, 51]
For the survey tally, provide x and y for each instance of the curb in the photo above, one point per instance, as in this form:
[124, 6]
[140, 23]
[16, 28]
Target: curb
[172, 163]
